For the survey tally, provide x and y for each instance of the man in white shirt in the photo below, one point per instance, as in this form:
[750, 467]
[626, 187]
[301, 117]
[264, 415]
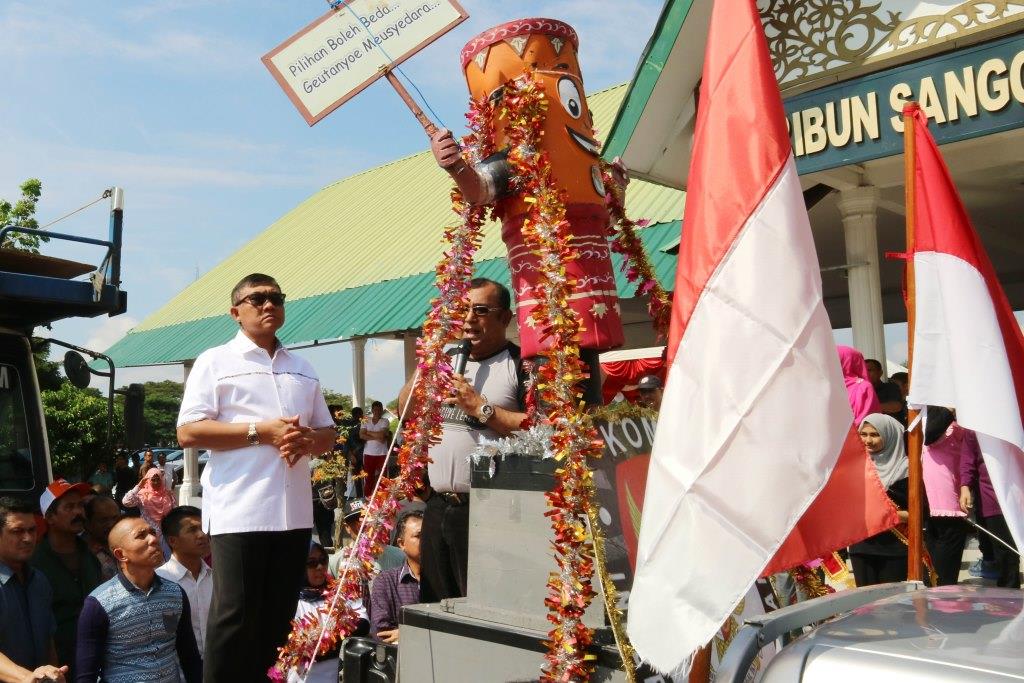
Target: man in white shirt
[374, 432]
[260, 411]
[183, 530]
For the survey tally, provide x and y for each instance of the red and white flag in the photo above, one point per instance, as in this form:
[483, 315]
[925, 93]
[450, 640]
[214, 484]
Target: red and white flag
[755, 411]
[968, 347]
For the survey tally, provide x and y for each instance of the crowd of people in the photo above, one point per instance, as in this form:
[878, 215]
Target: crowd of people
[117, 582]
[954, 477]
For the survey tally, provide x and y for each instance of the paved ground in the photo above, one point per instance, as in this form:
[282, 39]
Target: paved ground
[971, 553]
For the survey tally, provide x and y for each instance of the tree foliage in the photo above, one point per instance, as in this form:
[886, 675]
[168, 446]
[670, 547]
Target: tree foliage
[76, 426]
[163, 401]
[47, 371]
[334, 398]
[22, 214]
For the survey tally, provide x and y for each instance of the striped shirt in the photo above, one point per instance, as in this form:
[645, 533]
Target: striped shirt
[128, 635]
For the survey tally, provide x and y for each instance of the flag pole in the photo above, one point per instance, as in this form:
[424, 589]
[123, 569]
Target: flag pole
[914, 507]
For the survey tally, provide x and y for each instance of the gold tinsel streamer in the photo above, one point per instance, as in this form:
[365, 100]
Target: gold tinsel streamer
[611, 598]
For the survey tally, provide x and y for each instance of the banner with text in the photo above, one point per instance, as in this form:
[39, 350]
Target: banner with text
[966, 93]
[338, 55]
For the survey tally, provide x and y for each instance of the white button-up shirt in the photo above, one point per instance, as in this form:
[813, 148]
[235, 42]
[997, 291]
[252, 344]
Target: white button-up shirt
[199, 592]
[253, 488]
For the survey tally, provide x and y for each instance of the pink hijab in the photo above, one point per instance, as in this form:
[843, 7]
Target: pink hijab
[156, 504]
[863, 399]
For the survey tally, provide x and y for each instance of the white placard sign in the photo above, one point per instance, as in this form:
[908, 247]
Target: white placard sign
[334, 58]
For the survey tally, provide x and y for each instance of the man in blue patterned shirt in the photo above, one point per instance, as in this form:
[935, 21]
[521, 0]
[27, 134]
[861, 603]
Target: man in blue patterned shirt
[136, 626]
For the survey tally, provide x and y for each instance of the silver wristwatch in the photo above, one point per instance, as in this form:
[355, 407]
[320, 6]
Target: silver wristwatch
[486, 411]
[252, 435]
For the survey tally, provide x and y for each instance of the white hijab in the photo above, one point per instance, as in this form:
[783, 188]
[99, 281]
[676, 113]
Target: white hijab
[891, 462]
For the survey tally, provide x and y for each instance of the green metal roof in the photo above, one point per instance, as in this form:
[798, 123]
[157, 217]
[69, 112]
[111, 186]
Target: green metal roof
[379, 308]
[336, 291]
[648, 70]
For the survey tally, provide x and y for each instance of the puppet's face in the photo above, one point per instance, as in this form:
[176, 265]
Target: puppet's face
[568, 126]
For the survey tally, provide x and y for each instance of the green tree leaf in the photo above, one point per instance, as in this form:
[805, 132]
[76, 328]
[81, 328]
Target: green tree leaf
[22, 214]
[76, 426]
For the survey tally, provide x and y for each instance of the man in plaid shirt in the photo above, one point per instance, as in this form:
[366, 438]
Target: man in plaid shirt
[398, 586]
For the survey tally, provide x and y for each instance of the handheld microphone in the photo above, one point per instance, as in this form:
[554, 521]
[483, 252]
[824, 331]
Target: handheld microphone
[461, 357]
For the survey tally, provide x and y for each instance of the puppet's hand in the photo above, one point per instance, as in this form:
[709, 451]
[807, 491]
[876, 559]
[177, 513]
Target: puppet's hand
[446, 150]
[620, 172]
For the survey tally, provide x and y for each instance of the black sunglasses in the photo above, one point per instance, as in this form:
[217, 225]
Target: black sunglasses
[480, 310]
[258, 299]
[321, 562]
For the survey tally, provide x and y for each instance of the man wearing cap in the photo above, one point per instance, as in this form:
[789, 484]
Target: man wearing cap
[261, 412]
[64, 558]
[649, 387]
[391, 557]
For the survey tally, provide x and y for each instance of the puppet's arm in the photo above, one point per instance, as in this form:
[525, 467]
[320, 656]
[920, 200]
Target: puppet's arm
[482, 183]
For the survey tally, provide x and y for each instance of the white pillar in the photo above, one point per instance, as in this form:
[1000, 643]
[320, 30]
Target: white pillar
[409, 344]
[358, 373]
[858, 207]
[188, 492]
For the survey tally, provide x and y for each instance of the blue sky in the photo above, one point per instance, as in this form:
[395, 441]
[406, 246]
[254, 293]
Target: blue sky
[170, 101]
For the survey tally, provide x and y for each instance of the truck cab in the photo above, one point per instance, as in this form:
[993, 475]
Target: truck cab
[38, 290]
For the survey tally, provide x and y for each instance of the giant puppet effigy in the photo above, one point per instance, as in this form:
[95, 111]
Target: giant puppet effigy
[543, 51]
[531, 160]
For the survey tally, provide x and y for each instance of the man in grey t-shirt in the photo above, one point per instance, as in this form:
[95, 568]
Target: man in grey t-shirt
[488, 402]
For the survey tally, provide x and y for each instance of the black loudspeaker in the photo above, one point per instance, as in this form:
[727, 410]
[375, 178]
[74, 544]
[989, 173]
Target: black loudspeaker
[364, 660]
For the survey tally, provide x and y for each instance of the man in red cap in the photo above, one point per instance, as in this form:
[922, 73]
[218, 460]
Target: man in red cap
[64, 558]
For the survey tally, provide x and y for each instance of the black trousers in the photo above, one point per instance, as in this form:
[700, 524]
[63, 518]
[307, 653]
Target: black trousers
[323, 520]
[444, 546]
[256, 581]
[945, 538]
[1008, 563]
[869, 570]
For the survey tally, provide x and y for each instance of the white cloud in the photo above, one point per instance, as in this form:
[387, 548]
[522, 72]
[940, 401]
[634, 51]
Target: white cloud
[37, 32]
[109, 331]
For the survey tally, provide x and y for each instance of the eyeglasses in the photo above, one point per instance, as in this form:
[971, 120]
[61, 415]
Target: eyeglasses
[480, 310]
[258, 299]
[319, 562]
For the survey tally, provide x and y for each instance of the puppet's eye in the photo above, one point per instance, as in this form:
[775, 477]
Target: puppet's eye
[569, 94]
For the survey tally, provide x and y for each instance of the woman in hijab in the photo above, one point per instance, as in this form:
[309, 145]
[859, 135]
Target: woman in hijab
[945, 443]
[153, 500]
[863, 399]
[883, 557]
[311, 598]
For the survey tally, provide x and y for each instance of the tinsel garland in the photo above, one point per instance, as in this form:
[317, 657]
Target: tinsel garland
[573, 440]
[810, 581]
[309, 636]
[636, 266]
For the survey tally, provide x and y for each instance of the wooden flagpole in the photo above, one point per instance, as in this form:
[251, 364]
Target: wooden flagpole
[914, 507]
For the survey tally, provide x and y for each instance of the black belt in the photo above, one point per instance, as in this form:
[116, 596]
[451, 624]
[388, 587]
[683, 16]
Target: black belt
[453, 498]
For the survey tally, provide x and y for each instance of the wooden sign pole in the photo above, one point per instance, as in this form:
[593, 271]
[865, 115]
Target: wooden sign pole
[915, 438]
[424, 120]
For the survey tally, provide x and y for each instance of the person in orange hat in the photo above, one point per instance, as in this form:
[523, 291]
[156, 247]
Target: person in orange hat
[64, 558]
